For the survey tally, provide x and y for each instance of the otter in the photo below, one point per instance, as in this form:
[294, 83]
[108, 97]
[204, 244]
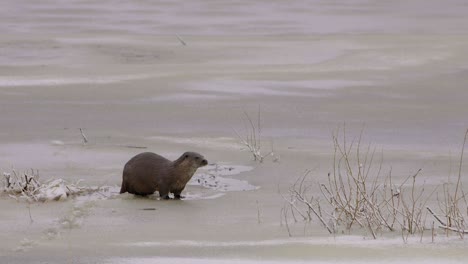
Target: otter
[149, 172]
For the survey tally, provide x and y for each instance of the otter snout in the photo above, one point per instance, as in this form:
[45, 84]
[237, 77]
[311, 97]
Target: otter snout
[204, 162]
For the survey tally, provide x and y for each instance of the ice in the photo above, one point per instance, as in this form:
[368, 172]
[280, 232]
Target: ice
[17, 81]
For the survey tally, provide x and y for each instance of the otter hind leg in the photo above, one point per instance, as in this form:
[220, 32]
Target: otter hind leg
[123, 189]
[164, 193]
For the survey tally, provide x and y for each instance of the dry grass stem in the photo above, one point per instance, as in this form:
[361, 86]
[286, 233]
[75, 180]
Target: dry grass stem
[252, 139]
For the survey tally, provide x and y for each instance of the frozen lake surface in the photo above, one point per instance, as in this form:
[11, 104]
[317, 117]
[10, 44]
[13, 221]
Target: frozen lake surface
[172, 76]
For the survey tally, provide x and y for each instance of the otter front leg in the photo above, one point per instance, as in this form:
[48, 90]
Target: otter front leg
[177, 194]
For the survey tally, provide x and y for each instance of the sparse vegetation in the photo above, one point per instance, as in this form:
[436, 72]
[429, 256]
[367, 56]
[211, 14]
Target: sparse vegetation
[252, 139]
[357, 195]
[453, 204]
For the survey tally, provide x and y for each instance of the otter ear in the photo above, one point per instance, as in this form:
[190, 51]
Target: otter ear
[186, 156]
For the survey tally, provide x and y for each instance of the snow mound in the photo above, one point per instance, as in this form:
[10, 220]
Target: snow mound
[29, 188]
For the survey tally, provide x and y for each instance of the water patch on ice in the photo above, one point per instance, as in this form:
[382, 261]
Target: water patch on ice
[383, 59]
[313, 244]
[186, 97]
[353, 241]
[25, 244]
[199, 196]
[311, 88]
[148, 260]
[15, 81]
[57, 142]
[213, 179]
[227, 169]
[96, 40]
[221, 184]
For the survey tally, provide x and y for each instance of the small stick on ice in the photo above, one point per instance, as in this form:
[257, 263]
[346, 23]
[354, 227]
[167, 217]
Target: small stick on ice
[433, 232]
[461, 231]
[444, 225]
[181, 40]
[30, 215]
[135, 147]
[435, 216]
[258, 213]
[149, 209]
[85, 139]
[285, 214]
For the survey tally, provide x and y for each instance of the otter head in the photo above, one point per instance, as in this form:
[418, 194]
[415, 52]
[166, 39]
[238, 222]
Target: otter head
[193, 159]
[187, 164]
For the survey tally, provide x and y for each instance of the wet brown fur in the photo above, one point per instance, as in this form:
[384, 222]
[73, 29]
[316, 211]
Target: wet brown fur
[148, 172]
